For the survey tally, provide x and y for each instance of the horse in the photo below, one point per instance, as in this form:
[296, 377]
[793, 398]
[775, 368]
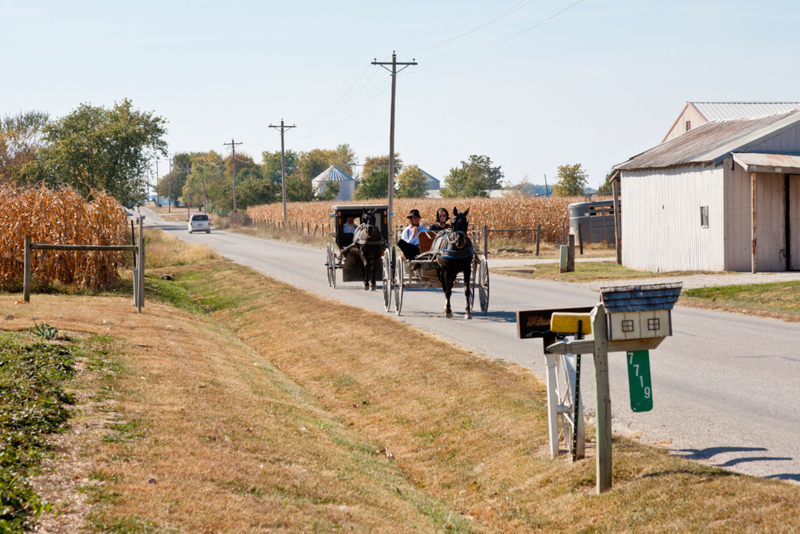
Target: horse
[453, 254]
[368, 243]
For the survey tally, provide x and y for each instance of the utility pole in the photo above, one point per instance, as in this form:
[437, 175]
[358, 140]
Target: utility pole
[283, 164]
[188, 199]
[204, 188]
[156, 187]
[233, 150]
[394, 72]
[169, 195]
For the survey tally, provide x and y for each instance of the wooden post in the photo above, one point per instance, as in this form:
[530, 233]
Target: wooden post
[617, 223]
[485, 241]
[571, 253]
[753, 204]
[538, 237]
[602, 398]
[26, 284]
[552, 402]
[140, 304]
[580, 236]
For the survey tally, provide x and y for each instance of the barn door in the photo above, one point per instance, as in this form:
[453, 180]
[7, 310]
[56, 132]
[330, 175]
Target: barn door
[793, 221]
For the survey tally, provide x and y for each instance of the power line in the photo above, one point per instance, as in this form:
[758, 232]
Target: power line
[493, 44]
[502, 15]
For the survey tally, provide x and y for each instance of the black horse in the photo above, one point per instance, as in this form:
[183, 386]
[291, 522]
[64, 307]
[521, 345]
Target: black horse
[368, 243]
[453, 253]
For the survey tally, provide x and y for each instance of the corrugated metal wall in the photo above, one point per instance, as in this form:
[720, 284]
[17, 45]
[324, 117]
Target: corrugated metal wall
[770, 220]
[661, 228]
[787, 142]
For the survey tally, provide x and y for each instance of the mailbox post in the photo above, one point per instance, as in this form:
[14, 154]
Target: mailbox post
[630, 319]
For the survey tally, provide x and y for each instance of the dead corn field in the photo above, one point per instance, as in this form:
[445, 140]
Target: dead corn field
[511, 213]
[61, 217]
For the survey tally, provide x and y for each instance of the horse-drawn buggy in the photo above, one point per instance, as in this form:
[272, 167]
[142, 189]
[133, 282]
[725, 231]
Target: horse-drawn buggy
[360, 245]
[448, 259]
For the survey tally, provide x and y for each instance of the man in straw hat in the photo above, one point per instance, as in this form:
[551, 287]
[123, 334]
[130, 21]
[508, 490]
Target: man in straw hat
[409, 239]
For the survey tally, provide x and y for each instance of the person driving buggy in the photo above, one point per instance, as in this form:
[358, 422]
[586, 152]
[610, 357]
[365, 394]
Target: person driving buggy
[409, 239]
[441, 220]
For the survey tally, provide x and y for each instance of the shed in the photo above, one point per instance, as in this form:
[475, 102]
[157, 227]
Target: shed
[722, 196]
[347, 184]
[694, 114]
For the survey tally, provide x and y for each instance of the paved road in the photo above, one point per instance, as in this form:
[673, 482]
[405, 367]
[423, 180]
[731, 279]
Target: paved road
[724, 386]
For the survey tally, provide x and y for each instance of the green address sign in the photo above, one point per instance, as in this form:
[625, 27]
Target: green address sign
[639, 380]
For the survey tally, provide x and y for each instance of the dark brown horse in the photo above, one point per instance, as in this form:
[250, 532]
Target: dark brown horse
[453, 253]
[368, 243]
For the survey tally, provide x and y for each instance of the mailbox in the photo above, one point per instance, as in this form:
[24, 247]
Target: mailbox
[640, 312]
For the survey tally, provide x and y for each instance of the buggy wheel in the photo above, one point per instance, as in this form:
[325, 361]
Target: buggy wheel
[483, 286]
[328, 264]
[388, 280]
[400, 274]
[331, 267]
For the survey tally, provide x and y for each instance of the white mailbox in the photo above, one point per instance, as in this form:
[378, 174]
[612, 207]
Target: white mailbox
[640, 312]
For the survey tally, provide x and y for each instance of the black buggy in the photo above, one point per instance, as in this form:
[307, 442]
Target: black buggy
[342, 256]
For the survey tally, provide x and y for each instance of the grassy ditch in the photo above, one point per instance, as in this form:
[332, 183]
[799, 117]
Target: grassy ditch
[780, 300]
[241, 404]
[590, 271]
[33, 405]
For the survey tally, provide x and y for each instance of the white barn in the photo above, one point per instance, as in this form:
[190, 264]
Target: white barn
[694, 114]
[722, 196]
[347, 184]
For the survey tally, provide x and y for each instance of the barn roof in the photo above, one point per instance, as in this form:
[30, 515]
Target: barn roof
[711, 142]
[429, 177]
[720, 111]
[640, 298]
[333, 174]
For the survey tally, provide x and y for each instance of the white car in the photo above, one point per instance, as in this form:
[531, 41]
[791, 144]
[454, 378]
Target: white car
[198, 222]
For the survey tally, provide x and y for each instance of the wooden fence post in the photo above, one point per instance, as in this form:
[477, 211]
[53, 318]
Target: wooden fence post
[538, 236]
[26, 284]
[602, 399]
[580, 236]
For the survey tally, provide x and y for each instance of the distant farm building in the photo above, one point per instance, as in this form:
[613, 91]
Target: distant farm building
[696, 113]
[433, 183]
[347, 184]
[724, 195]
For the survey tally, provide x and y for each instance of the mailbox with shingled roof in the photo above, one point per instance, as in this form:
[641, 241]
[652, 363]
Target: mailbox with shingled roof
[640, 312]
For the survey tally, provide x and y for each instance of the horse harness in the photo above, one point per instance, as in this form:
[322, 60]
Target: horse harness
[445, 245]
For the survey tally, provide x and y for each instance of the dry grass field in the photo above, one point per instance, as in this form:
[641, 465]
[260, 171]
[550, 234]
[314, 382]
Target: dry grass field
[236, 403]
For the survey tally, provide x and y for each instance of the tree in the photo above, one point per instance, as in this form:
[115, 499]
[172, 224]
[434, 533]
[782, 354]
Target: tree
[373, 185]
[94, 148]
[411, 183]
[571, 181]
[21, 136]
[329, 192]
[605, 189]
[209, 165]
[382, 162]
[271, 165]
[175, 178]
[473, 179]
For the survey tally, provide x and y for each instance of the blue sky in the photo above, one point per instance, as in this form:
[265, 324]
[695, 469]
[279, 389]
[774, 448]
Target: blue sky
[596, 84]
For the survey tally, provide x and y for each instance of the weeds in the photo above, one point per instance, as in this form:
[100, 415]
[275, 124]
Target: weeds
[44, 331]
[32, 405]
